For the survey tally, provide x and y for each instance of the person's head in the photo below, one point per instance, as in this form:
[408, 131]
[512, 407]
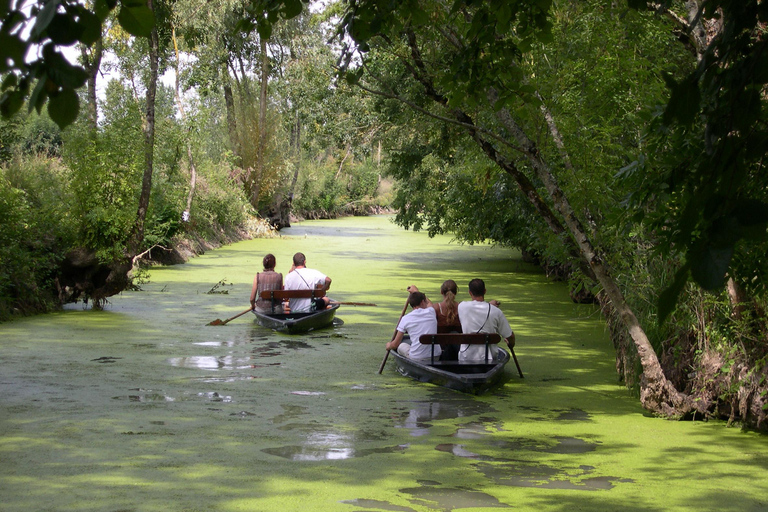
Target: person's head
[299, 259]
[416, 298]
[477, 288]
[449, 286]
[269, 262]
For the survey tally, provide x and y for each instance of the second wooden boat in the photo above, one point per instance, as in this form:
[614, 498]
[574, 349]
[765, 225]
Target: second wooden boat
[468, 377]
[295, 322]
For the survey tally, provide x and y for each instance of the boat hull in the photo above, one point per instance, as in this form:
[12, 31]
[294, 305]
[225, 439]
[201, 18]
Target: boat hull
[294, 323]
[471, 378]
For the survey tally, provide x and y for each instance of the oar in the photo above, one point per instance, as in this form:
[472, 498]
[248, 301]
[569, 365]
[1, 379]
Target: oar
[352, 303]
[381, 368]
[512, 350]
[219, 322]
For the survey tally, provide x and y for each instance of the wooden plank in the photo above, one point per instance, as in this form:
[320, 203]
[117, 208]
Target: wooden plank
[291, 294]
[459, 339]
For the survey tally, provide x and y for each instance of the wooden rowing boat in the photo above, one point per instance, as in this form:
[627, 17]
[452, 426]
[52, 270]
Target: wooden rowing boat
[468, 377]
[297, 322]
[294, 323]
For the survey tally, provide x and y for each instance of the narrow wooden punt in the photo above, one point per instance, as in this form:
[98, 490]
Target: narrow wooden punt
[468, 377]
[294, 323]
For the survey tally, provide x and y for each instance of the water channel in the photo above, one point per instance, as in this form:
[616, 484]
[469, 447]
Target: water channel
[144, 407]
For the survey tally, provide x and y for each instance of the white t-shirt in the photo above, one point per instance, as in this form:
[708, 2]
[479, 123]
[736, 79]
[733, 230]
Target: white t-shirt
[477, 316]
[417, 322]
[303, 279]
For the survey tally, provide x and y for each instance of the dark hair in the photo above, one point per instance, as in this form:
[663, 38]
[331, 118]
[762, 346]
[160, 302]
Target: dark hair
[477, 287]
[416, 298]
[269, 262]
[299, 259]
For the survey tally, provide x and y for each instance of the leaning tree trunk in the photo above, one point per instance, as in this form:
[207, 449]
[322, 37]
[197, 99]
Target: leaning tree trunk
[657, 393]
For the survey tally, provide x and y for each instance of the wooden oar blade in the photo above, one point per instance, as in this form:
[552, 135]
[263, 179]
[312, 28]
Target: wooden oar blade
[216, 322]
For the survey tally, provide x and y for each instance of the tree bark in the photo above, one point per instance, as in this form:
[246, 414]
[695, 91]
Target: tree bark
[256, 184]
[180, 104]
[229, 101]
[92, 64]
[137, 234]
[657, 393]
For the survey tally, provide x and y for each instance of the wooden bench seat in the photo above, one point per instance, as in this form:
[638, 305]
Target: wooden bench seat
[459, 339]
[291, 294]
[486, 339]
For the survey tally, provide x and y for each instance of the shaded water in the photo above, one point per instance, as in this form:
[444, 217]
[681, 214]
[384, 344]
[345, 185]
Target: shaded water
[143, 407]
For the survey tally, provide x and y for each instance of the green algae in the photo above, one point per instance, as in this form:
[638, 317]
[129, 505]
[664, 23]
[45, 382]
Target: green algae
[144, 407]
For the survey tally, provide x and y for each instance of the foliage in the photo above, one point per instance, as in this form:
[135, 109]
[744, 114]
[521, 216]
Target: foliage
[36, 230]
[49, 25]
[704, 169]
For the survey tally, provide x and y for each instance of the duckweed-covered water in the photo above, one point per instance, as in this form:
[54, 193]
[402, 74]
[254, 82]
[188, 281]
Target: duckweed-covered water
[143, 407]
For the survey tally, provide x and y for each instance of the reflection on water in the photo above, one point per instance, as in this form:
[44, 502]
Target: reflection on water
[548, 477]
[451, 498]
[328, 444]
[419, 414]
[211, 362]
[378, 505]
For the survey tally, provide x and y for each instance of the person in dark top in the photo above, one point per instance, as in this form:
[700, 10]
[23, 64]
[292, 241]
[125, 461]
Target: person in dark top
[267, 280]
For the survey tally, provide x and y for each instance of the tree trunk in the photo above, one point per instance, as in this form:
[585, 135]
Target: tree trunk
[92, 64]
[117, 278]
[297, 156]
[229, 101]
[180, 104]
[137, 234]
[262, 150]
[657, 393]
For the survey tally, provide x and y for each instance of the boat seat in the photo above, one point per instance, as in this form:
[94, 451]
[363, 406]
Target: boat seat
[277, 296]
[479, 338]
[291, 294]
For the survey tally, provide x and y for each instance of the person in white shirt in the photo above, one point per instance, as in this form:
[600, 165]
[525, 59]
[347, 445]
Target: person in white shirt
[422, 320]
[478, 316]
[302, 278]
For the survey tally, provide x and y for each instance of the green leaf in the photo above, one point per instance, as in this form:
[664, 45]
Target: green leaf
[11, 102]
[44, 18]
[5, 8]
[11, 48]
[264, 28]
[710, 265]
[292, 8]
[684, 102]
[91, 27]
[63, 30]
[102, 8]
[60, 71]
[668, 297]
[11, 80]
[38, 96]
[136, 18]
[64, 107]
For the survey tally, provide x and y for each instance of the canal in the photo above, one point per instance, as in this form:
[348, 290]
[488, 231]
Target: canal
[144, 407]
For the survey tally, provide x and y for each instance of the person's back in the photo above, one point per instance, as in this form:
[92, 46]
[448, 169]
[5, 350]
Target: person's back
[266, 281]
[303, 278]
[422, 320]
[478, 316]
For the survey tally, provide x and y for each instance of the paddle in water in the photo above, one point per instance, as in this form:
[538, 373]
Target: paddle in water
[220, 322]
